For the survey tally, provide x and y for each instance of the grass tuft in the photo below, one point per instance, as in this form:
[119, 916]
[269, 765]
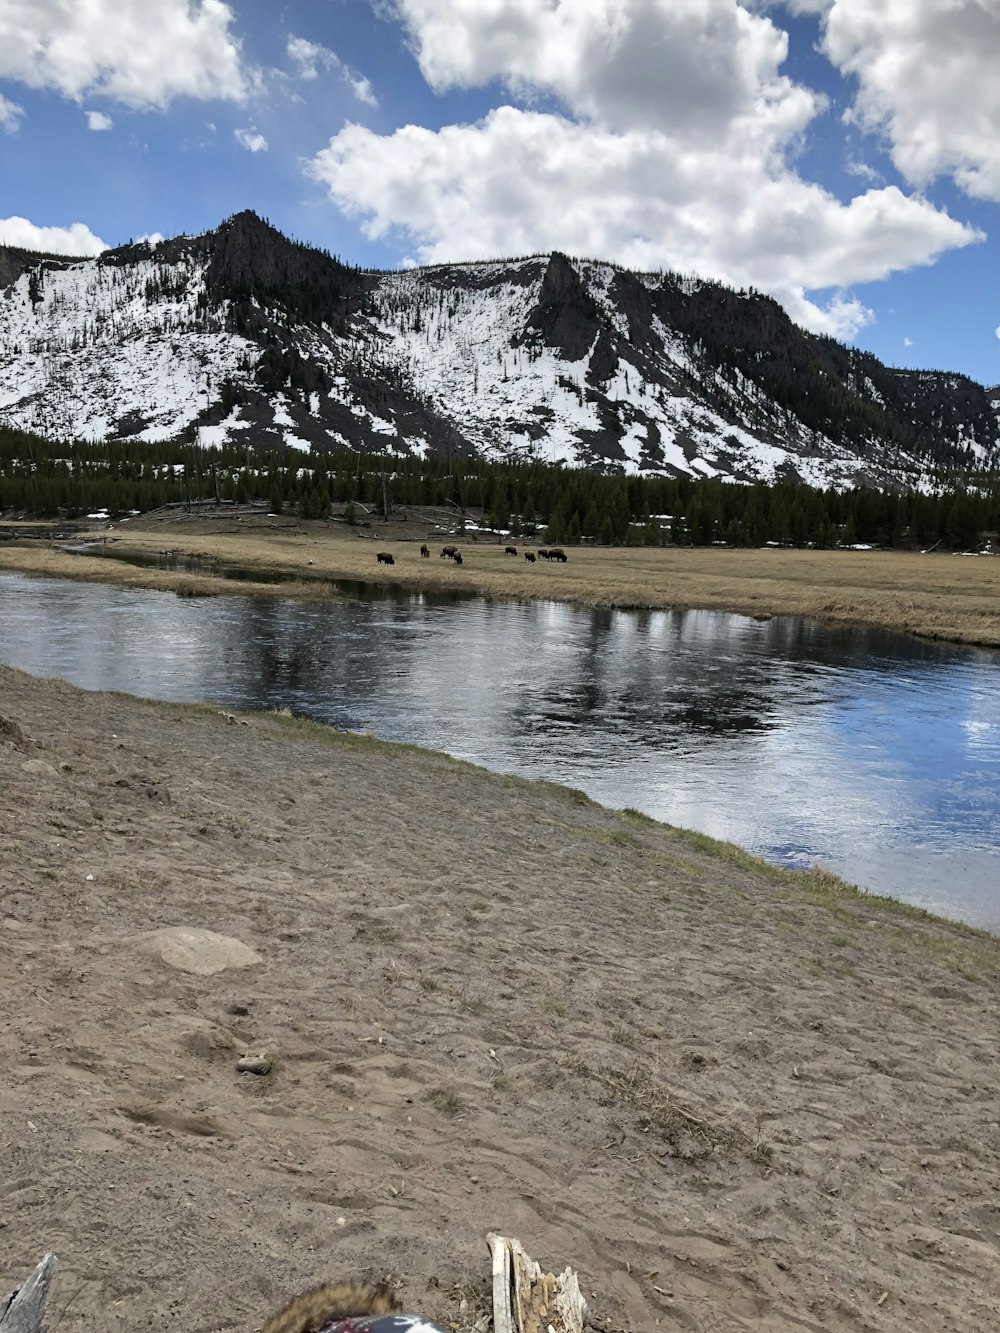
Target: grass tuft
[445, 1100]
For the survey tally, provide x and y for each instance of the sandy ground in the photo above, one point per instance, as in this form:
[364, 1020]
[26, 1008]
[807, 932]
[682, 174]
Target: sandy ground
[731, 1097]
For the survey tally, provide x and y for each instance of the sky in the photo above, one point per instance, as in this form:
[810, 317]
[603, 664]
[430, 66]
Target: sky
[841, 155]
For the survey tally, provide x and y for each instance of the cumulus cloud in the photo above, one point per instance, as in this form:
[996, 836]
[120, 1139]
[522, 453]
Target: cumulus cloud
[10, 115]
[97, 120]
[672, 145]
[520, 181]
[138, 53]
[252, 140]
[927, 81]
[309, 58]
[698, 66]
[76, 239]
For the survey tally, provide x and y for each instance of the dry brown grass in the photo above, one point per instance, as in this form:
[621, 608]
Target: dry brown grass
[937, 596]
[686, 1130]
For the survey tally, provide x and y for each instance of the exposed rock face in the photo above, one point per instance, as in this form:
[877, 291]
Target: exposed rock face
[243, 336]
[566, 317]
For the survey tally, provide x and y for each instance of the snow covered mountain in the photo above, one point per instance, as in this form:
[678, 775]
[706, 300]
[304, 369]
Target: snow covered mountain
[241, 335]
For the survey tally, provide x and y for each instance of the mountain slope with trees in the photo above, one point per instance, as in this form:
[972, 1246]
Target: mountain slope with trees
[243, 337]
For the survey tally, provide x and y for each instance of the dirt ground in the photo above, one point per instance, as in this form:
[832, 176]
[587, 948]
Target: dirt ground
[731, 1097]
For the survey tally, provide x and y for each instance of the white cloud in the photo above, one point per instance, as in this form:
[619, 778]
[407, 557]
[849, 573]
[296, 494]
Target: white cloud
[855, 167]
[689, 171]
[309, 58]
[252, 140]
[907, 342]
[135, 52]
[97, 120]
[10, 115]
[361, 88]
[997, 330]
[695, 66]
[927, 81]
[76, 239]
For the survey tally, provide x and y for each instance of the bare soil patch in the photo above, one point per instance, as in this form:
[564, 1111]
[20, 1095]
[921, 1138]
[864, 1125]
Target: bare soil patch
[731, 1097]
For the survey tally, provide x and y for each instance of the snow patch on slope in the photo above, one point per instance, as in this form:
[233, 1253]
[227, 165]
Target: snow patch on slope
[92, 350]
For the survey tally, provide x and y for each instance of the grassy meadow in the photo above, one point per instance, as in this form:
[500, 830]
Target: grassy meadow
[935, 595]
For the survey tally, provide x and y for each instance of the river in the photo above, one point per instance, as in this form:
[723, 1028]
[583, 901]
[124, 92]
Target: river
[874, 754]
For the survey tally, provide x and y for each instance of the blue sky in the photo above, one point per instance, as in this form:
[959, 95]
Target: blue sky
[843, 155]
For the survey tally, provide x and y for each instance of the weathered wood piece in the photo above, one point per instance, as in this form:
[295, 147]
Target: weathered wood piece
[526, 1300]
[23, 1309]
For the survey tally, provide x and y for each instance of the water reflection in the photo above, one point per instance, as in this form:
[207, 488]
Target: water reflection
[876, 755]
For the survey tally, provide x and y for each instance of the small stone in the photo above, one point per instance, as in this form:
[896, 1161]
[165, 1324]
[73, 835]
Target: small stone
[39, 767]
[254, 1064]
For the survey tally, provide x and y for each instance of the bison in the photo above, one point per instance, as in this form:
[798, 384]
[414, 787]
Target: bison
[457, 557]
[424, 551]
[510, 550]
[449, 551]
[556, 554]
[384, 558]
[543, 554]
[530, 557]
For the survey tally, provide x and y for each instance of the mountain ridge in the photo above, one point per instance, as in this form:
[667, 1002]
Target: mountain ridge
[243, 335]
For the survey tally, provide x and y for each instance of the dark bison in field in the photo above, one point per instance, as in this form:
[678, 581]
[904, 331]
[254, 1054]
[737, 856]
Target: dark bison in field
[556, 554]
[510, 550]
[544, 555]
[530, 557]
[384, 558]
[424, 551]
[449, 551]
[457, 557]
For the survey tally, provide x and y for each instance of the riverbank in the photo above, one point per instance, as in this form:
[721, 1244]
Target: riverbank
[936, 596]
[729, 1096]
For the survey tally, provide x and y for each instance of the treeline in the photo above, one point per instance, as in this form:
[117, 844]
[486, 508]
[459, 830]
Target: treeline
[42, 478]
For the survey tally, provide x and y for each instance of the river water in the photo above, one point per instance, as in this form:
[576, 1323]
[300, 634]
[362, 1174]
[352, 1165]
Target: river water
[874, 754]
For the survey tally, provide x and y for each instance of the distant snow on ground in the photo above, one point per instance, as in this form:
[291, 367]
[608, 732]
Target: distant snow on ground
[210, 437]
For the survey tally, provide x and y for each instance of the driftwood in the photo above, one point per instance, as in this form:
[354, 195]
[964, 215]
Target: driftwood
[23, 1310]
[526, 1300]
